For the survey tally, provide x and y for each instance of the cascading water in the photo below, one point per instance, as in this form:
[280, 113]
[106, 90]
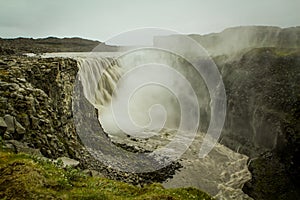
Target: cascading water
[99, 78]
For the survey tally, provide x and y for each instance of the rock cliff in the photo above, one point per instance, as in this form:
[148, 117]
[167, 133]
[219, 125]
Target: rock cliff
[262, 119]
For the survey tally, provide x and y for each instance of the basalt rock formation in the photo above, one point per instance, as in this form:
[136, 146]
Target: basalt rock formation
[35, 103]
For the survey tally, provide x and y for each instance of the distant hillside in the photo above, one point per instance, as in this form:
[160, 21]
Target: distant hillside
[233, 40]
[50, 44]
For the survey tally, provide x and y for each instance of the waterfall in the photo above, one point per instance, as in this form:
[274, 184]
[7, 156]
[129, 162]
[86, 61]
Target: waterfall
[99, 77]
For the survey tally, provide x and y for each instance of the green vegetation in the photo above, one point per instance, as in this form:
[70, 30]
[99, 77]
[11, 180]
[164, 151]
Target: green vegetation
[278, 52]
[28, 177]
[283, 52]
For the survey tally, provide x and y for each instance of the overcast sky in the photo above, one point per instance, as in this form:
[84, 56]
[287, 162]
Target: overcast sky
[102, 19]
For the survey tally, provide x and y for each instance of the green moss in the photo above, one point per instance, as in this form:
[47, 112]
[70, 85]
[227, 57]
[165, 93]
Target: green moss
[281, 52]
[24, 176]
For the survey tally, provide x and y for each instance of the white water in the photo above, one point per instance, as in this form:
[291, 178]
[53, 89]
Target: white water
[222, 173]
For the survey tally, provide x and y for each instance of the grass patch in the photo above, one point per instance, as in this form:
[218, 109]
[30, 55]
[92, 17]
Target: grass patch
[26, 177]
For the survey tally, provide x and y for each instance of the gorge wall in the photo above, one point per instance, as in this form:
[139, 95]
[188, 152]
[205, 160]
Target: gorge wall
[262, 121]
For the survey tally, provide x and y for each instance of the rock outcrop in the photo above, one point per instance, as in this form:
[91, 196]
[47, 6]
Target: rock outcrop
[262, 119]
[35, 98]
[3, 126]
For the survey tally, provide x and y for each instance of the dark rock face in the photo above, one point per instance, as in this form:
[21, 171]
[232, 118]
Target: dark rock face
[263, 118]
[3, 126]
[262, 91]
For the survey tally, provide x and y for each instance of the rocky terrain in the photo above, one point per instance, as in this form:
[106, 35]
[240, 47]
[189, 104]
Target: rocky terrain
[32, 90]
[50, 44]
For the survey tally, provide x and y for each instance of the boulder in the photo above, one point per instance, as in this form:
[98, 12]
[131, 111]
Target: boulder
[93, 173]
[68, 162]
[14, 128]
[3, 126]
[19, 147]
[9, 120]
[19, 128]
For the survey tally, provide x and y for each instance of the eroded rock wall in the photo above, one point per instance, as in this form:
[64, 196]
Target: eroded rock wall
[35, 97]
